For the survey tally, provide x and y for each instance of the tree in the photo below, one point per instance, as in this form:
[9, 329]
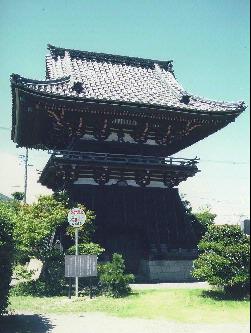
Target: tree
[200, 220]
[205, 217]
[19, 196]
[35, 224]
[224, 259]
[87, 248]
[34, 227]
[6, 254]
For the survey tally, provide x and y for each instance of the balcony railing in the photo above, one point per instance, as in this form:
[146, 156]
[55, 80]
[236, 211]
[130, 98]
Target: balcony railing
[78, 156]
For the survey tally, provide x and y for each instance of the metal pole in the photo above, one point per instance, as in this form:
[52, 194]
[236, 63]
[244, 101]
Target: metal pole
[25, 174]
[69, 293]
[76, 253]
[90, 281]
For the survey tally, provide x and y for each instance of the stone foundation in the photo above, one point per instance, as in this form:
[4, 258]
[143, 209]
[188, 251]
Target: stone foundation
[166, 270]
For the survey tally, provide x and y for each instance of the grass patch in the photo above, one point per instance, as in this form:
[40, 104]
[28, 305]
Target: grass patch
[181, 305]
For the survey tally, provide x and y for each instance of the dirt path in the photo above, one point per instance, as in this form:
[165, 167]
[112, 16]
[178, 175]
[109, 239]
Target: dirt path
[100, 323]
[169, 285]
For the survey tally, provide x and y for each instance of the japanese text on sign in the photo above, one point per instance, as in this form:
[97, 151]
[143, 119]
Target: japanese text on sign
[76, 217]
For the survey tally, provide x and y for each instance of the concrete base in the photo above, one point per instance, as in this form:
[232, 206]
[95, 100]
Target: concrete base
[166, 270]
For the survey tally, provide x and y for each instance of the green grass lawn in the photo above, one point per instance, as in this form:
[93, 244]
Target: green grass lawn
[183, 305]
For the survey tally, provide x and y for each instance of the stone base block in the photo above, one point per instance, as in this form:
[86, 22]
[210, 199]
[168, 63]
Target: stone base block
[166, 270]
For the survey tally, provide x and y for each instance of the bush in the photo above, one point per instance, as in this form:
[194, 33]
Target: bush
[27, 288]
[113, 280]
[224, 259]
[51, 281]
[6, 258]
[87, 248]
[52, 274]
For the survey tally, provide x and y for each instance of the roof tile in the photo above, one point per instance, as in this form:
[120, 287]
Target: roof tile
[119, 79]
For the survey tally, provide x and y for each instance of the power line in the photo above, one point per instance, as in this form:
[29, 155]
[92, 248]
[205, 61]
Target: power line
[225, 202]
[200, 160]
[225, 162]
[5, 128]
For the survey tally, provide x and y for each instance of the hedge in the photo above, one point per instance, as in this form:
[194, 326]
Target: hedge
[6, 257]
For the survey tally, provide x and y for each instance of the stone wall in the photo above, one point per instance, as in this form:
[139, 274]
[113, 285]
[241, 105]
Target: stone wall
[166, 270]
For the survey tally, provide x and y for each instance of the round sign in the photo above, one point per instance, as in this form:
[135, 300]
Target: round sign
[76, 217]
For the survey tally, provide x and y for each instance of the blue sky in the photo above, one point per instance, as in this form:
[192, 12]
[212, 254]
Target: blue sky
[208, 41]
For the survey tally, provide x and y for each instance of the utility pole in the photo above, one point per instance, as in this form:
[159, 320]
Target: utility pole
[25, 159]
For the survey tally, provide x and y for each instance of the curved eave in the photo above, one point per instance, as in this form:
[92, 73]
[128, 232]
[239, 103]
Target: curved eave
[49, 179]
[26, 99]
[148, 107]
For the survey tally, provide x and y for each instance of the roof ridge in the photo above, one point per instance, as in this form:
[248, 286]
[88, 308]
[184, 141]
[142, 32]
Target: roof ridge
[158, 72]
[59, 51]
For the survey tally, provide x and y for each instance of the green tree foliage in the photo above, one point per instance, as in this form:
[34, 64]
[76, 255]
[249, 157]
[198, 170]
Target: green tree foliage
[6, 254]
[51, 281]
[18, 196]
[205, 217]
[200, 220]
[224, 259]
[87, 248]
[35, 224]
[33, 230]
[114, 282]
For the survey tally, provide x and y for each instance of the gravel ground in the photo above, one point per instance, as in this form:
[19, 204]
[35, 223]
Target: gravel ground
[185, 285]
[94, 323]
[100, 323]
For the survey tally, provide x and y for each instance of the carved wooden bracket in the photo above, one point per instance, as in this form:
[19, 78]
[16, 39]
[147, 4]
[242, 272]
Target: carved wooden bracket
[142, 178]
[141, 132]
[65, 128]
[66, 175]
[164, 136]
[101, 176]
[102, 130]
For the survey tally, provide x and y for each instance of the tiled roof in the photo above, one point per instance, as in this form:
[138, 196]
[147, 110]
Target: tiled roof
[120, 79]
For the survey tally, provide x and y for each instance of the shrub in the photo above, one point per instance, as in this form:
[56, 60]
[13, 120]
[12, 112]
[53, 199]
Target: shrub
[87, 248]
[113, 280]
[51, 281]
[27, 288]
[52, 274]
[200, 220]
[6, 258]
[21, 273]
[224, 259]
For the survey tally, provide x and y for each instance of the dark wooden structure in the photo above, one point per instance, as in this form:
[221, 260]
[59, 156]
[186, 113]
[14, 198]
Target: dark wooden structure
[111, 124]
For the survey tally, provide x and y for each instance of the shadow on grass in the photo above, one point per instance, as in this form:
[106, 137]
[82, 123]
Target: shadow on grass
[219, 295]
[25, 324]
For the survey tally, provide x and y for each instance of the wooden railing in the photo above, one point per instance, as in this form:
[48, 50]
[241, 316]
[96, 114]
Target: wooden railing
[78, 156]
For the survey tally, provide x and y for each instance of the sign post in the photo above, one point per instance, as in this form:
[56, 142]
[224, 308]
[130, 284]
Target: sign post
[76, 253]
[76, 218]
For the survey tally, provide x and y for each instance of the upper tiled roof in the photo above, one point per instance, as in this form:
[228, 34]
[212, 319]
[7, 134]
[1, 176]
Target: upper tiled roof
[106, 77]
